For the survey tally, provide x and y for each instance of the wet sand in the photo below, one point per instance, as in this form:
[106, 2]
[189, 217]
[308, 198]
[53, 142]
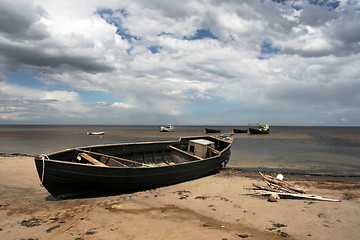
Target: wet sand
[219, 206]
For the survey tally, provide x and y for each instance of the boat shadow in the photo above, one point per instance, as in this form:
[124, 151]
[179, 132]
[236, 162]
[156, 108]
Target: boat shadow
[93, 194]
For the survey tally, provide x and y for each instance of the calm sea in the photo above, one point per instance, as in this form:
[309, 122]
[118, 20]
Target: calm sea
[316, 150]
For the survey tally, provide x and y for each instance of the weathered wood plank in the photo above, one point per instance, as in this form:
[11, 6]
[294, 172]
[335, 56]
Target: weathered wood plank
[186, 153]
[301, 195]
[281, 183]
[91, 159]
[113, 157]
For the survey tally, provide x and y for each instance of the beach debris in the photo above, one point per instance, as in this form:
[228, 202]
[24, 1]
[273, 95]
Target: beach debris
[117, 206]
[302, 195]
[52, 228]
[280, 177]
[273, 197]
[282, 234]
[33, 222]
[281, 184]
[276, 226]
[278, 187]
[243, 235]
[90, 233]
[184, 194]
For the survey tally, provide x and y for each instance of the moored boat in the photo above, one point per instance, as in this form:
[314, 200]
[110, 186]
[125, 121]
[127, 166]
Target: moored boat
[131, 166]
[259, 129]
[95, 133]
[167, 128]
[212, 130]
[237, 130]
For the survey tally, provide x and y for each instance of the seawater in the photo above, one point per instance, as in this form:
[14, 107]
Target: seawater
[313, 150]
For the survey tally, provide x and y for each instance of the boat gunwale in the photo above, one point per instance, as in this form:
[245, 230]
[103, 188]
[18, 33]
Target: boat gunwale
[136, 143]
[120, 167]
[37, 158]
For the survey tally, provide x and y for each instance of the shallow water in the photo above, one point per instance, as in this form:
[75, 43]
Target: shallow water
[323, 150]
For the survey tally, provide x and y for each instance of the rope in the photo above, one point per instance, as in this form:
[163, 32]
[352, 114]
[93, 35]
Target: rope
[43, 170]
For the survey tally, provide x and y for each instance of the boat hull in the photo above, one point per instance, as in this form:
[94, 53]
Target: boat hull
[211, 130]
[239, 130]
[67, 179]
[165, 129]
[258, 131]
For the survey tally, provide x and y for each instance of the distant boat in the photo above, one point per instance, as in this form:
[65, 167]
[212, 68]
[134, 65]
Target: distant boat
[259, 129]
[212, 130]
[167, 128]
[237, 130]
[118, 168]
[95, 133]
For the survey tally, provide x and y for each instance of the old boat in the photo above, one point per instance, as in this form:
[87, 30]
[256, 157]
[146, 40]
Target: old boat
[167, 128]
[118, 168]
[237, 130]
[95, 133]
[212, 130]
[259, 129]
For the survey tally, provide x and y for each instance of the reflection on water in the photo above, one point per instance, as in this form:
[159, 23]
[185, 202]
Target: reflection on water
[334, 150]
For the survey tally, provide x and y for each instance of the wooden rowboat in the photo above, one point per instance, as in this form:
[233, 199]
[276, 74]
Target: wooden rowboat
[237, 130]
[212, 130]
[131, 166]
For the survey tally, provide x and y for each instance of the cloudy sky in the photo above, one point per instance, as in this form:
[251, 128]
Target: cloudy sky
[211, 62]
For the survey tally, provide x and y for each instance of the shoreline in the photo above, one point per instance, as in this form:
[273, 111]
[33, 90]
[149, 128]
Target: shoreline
[218, 206]
[299, 172]
[299, 151]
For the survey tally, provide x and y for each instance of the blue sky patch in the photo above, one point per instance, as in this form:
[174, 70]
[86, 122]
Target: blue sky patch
[201, 34]
[165, 34]
[155, 49]
[330, 4]
[268, 50]
[25, 79]
[113, 17]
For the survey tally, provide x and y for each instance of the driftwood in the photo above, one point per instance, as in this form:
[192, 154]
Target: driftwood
[280, 187]
[281, 183]
[301, 195]
[260, 187]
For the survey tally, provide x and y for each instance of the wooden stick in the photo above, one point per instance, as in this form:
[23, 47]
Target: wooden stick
[124, 165]
[281, 183]
[279, 188]
[214, 150]
[299, 195]
[92, 160]
[109, 156]
[179, 150]
[260, 187]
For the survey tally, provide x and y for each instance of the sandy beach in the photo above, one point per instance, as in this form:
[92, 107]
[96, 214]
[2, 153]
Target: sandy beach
[220, 206]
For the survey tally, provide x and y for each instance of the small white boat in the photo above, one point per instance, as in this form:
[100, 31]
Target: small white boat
[95, 133]
[167, 128]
